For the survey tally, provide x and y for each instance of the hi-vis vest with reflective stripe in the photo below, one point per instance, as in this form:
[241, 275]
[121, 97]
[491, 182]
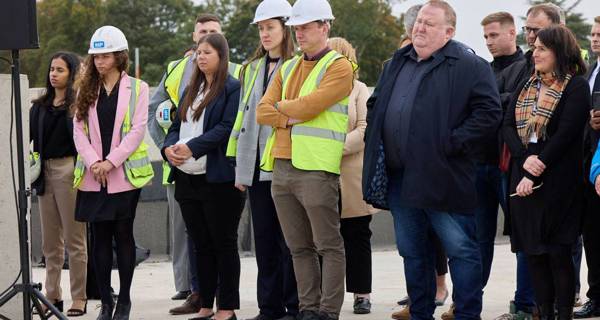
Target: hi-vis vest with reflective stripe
[138, 168]
[175, 71]
[249, 80]
[317, 144]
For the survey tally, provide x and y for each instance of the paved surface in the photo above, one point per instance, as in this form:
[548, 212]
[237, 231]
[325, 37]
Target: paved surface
[153, 287]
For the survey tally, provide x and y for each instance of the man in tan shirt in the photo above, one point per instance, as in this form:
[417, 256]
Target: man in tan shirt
[307, 200]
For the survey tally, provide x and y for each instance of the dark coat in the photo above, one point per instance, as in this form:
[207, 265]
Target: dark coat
[37, 113]
[457, 104]
[218, 121]
[552, 214]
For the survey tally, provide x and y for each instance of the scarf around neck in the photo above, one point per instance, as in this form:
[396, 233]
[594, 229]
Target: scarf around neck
[532, 111]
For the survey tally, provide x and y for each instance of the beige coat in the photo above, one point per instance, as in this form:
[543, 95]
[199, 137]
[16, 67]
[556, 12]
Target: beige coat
[351, 168]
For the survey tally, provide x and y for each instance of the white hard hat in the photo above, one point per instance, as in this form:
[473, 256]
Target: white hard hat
[163, 113]
[108, 39]
[305, 11]
[269, 9]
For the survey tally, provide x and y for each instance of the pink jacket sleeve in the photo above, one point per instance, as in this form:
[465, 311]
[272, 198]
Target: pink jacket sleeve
[134, 138]
[83, 145]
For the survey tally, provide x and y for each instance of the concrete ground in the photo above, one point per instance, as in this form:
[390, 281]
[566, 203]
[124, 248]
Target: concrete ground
[153, 287]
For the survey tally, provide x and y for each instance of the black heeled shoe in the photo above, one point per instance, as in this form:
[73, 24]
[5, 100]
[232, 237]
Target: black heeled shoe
[122, 311]
[106, 312]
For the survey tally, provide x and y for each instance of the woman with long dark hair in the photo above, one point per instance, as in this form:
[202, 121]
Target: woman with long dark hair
[51, 130]
[277, 295]
[204, 178]
[543, 127]
[113, 165]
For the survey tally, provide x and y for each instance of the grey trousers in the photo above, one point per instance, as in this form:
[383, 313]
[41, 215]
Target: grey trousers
[179, 244]
[307, 208]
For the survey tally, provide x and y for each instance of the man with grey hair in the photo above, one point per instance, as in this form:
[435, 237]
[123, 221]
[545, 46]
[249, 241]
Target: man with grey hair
[434, 102]
[409, 17]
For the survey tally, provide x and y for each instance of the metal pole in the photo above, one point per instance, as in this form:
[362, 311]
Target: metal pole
[23, 193]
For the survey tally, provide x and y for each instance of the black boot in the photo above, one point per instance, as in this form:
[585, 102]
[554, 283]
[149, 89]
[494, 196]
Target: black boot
[122, 311]
[589, 310]
[106, 312]
[565, 313]
[547, 312]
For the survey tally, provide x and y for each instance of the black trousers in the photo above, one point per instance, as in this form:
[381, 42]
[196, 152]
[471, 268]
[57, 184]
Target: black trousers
[276, 284]
[357, 246]
[591, 241]
[553, 277]
[212, 212]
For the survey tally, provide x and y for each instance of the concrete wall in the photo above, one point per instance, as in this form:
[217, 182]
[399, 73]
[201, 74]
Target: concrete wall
[9, 252]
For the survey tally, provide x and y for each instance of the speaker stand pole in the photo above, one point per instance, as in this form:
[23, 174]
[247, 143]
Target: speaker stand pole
[31, 291]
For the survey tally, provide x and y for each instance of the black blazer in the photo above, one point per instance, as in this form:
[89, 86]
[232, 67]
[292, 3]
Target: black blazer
[219, 118]
[37, 113]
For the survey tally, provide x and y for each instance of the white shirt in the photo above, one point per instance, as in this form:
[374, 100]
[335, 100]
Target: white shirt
[191, 129]
[593, 76]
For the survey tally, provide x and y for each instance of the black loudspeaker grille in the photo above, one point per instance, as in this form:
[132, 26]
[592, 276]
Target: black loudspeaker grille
[18, 25]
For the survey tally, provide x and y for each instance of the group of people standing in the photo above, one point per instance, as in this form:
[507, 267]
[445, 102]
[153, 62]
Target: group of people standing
[446, 138]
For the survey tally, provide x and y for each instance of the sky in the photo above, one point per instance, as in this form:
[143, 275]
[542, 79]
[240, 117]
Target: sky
[471, 12]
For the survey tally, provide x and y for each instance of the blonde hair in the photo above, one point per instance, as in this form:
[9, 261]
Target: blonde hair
[504, 18]
[344, 47]
[448, 10]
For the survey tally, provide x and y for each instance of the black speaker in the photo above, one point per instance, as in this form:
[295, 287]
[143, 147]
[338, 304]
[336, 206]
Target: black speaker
[18, 26]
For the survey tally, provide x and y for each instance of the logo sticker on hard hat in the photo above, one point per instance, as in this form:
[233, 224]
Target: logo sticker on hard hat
[98, 44]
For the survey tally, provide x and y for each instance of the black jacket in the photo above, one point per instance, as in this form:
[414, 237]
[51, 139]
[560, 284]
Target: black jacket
[37, 113]
[489, 152]
[456, 105]
[219, 118]
[561, 152]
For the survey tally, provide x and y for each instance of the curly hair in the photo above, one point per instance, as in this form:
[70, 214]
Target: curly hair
[90, 83]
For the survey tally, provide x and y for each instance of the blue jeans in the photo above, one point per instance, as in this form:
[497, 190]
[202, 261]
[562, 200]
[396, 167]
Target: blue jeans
[457, 234]
[490, 194]
[524, 295]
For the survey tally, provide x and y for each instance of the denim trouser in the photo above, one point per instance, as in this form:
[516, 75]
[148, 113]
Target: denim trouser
[524, 294]
[457, 234]
[490, 194]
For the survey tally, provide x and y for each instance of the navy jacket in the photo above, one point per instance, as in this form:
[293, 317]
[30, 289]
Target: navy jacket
[457, 104]
[218, 121]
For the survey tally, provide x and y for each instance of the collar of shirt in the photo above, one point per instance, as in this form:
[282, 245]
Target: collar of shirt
[318, 56]
[412, 54]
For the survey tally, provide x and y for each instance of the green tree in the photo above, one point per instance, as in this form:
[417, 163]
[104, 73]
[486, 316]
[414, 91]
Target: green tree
[162, 30]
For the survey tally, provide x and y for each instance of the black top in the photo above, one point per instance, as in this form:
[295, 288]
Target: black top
[268, 75]
[107, 110]
[58, 141]
[502, 62]
[399, 110]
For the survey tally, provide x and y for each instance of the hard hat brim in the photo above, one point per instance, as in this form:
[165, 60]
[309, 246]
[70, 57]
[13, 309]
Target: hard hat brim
[300, 21]
[107, 50]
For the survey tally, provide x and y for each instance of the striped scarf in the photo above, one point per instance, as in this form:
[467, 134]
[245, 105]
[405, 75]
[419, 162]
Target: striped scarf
[531, 118]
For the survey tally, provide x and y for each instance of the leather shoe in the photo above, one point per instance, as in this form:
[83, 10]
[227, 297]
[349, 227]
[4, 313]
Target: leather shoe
[288, 317]
[325, 316]
[192, 304]
[308, 315]
[403, 314]
[181, 295]
[106, 312]
[122, 311]
[449, 315]
[208, 317]
[362, 305]
[590, 309]
[403, 301]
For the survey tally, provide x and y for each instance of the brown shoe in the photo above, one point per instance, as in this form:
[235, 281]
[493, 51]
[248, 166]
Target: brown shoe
[191, 305]
[449, 315]
[403, 314]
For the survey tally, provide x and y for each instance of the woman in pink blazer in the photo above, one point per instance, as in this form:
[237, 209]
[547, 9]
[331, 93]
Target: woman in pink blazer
[106, 198]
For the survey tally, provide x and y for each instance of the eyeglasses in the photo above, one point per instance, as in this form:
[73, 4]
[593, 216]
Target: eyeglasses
[527, 30]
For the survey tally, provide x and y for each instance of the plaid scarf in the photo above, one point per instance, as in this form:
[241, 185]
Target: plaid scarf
[531, 118]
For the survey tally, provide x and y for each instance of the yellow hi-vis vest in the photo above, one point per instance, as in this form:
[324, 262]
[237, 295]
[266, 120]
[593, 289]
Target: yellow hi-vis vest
[251, 73]
[138, 168]
[317, 144]
[175, 71]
